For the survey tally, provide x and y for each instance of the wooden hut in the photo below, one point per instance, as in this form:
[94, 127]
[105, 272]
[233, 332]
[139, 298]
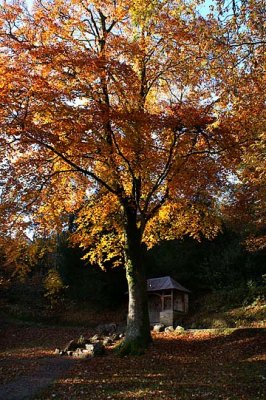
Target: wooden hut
[167, 300]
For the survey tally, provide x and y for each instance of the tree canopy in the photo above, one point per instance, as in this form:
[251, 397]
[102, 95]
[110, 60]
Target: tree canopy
[130, 115]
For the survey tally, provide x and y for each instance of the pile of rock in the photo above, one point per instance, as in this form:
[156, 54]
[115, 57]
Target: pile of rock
[163, 328]
[107, 335]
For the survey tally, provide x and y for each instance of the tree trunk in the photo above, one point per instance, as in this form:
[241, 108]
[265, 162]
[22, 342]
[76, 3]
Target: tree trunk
[138, 335]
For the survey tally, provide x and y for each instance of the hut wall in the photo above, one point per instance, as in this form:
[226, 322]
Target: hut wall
[167, 317]
[186, 302]
[179, 302]
[163, 310]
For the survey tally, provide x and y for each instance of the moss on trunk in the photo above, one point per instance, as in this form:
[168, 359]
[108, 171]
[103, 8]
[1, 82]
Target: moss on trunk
[138, 335]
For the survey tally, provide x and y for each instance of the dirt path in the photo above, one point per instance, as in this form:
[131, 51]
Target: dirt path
[47, 371]
[27, 361]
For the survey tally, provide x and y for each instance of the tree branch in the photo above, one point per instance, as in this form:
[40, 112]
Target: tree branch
[73, 164]
[165, 170]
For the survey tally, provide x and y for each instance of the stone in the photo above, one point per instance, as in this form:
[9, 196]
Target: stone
[107, 341]
[87, 354]
[81, 341]
[98, 349]
[158, 328]
[80, 353]
[84, 349]
[95, 339]
[179, 329]
[95, 349]
[71, 346]
[89, 347]
[115, 337]
[169, 329]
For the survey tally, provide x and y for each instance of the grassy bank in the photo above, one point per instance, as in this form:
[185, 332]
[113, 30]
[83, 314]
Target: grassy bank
[242, 306]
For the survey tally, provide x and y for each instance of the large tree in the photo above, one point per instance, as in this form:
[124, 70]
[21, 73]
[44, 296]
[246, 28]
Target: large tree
[111, 111]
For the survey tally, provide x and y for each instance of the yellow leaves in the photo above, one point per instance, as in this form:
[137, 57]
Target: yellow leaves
[54, 286]
[215, 125]
[152, 104]
[16, 252]
[164, 213]
[178, 219]
[42, 118]
[107, 248]
[100, 231]
[254, 158]
[63, 196]
[142, 10]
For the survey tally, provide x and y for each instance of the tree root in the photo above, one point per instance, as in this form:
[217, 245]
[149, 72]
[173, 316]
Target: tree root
[133, 347]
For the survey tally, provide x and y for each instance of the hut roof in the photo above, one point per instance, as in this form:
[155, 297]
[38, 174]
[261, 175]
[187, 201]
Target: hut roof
[164, 283]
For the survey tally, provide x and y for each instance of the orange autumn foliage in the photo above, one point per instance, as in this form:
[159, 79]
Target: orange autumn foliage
[129, 114]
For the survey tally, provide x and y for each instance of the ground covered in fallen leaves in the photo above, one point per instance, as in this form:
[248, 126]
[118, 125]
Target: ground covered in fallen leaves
[212, 365]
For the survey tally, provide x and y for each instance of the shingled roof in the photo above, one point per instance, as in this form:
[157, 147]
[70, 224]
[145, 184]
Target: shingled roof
[164, 283]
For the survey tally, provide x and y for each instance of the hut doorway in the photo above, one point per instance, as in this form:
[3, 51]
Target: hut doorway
[155, 307]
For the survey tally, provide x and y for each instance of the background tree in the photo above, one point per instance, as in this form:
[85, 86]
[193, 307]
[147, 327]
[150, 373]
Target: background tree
[244, 27]
[119, 112]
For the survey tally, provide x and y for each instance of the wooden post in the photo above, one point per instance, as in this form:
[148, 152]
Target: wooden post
[172, 299]
[172, 305]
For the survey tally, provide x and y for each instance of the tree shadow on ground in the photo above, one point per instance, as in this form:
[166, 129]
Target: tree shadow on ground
[227, 367]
